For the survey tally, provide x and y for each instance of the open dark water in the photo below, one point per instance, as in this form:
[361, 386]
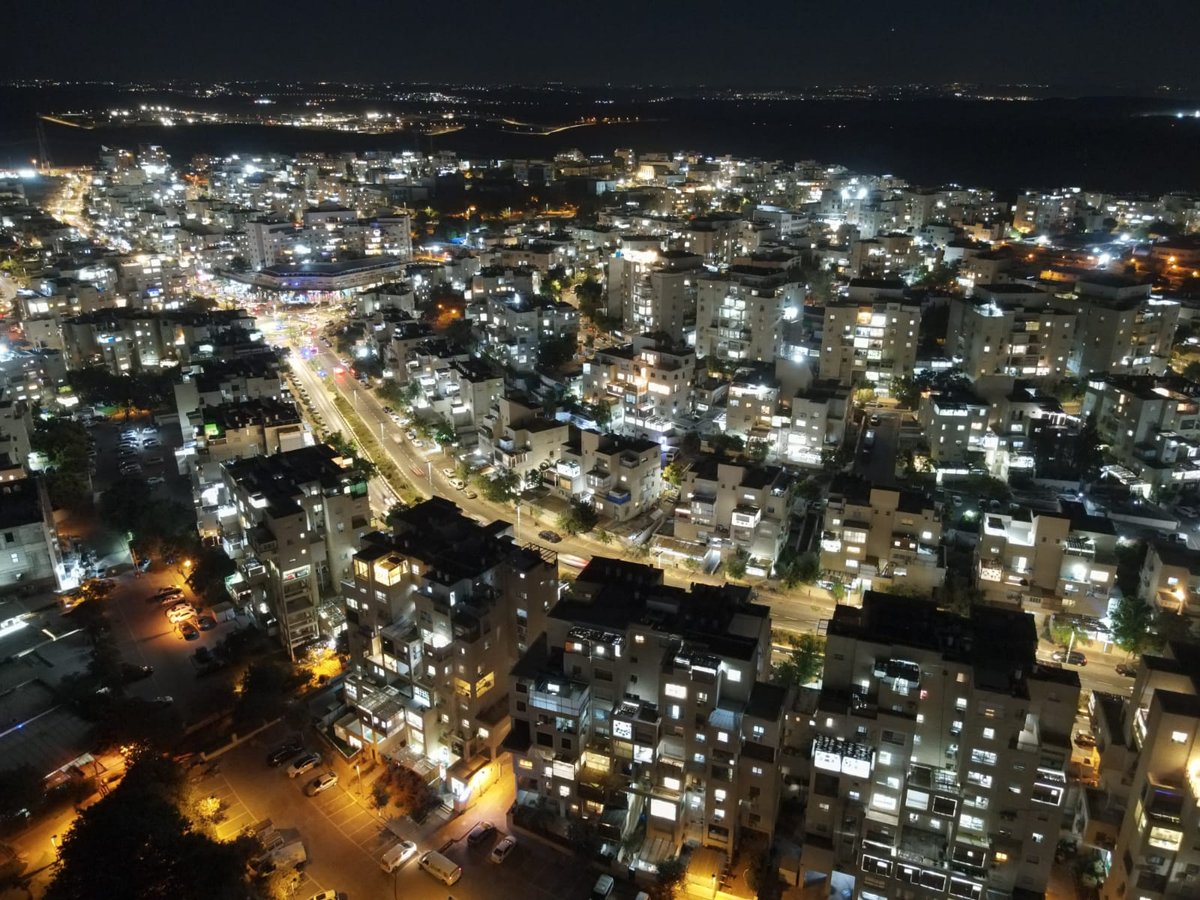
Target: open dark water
[1122, 144]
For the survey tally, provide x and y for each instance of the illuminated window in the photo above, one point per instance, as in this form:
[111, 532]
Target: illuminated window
[1179, 737]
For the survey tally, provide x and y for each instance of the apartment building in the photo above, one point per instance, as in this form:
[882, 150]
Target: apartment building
[515, 435]
[1018, 421]
[1122, 328]
[740, 312]
[874, 537]
[646, 384]
[646, 704]
[621, 476]
[514, 326]
[1170, 578]
[30, 557]
[1151, 424]
[217, 382]
[812, 422]
[1152, 800]
[1010, 329]
[656, 291]
[870, 337]
[268, 239]
[438, 611]
[462, 389]
[293, 522]
[737, 507]
[954, 424]
[939, 754]
[1048, 561]
[124, 339]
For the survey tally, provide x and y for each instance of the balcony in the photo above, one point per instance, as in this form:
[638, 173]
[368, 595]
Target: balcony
[618, 497]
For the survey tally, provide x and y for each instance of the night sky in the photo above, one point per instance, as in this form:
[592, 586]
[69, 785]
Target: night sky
[1102, 43]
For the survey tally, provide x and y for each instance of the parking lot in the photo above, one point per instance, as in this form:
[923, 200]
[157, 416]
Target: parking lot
[344, 837]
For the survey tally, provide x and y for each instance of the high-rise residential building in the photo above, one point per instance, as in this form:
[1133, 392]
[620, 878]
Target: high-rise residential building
[875, 537]
[939, 754]
[644, 703]
[1150, 424]
[870, 337]
[30, 556]
[438, 611]
[740, 312]
[954, 425]
[1122, 328]
[656, 291]
[1154, 791]
[1011, 330]
[515, 435]
[292, 521]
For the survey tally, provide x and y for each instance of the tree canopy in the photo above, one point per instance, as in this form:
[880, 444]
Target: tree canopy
[804, 663]
[580, 516]
[136, 842]
[1131, 622]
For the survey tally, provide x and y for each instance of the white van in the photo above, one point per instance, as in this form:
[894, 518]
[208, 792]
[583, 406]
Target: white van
[446, 870]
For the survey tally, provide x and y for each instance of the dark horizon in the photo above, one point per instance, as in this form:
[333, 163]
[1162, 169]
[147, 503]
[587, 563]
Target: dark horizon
[1137, 46]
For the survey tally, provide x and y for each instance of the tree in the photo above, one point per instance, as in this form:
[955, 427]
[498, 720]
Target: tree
[756, 451]
[556, 352]
[794, 568]
[500, 487]
[602, 414]
[590, 294]
[959, 594]
[673, 474]
[726, 444]
[804, 663]
[1131, 622]
[579, 516]
[407, 791]
[137, 843]
[263, 692]
[735, 566]
[444, 431]
[669, 876]
[1130, 559]
[533, 479]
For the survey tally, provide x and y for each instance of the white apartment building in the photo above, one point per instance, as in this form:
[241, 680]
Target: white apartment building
[515, 435]
[1153, 793]
[621, 476]
[954, 426]
[646, 385]
[1122, 328]
[293, 522]
[939, 755]
[1151, 424]
[870, 337]
[874, 537]
[647, 703]
[1010, 329]
[654, 290]
[514, 326]
[1048, 562]
[740, 312]
[438, 611]
[30, 558]
[1170, 578]
[739, 507]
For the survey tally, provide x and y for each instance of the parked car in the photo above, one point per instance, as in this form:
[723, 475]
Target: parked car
[1074, 658]
[603, 887]
[397, 855]
[189, 632]
[302, 764]
[503, 847]
[550, 537]
[130, 672]
[458, 484]
[1190, 511]
[449, 472]
[1085, 740]
[1127, 669]
[483, 831]
[320, 784]
[470, 494]
[180, 613]
[206, 623]
[156, 479]
[284, 751]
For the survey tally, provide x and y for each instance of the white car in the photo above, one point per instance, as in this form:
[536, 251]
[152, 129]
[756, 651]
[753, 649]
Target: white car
[458, 484]
[303, 764]
[320, 784]
[449, 472]
[503, 847]
[180, 613]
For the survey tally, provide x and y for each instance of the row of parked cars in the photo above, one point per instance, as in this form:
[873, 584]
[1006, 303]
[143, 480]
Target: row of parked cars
[302, 761]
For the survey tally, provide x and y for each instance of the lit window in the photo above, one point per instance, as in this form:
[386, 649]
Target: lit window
[564, 790]
[719, 795]
[723, 737]
[1179, 737]
[989, 734]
